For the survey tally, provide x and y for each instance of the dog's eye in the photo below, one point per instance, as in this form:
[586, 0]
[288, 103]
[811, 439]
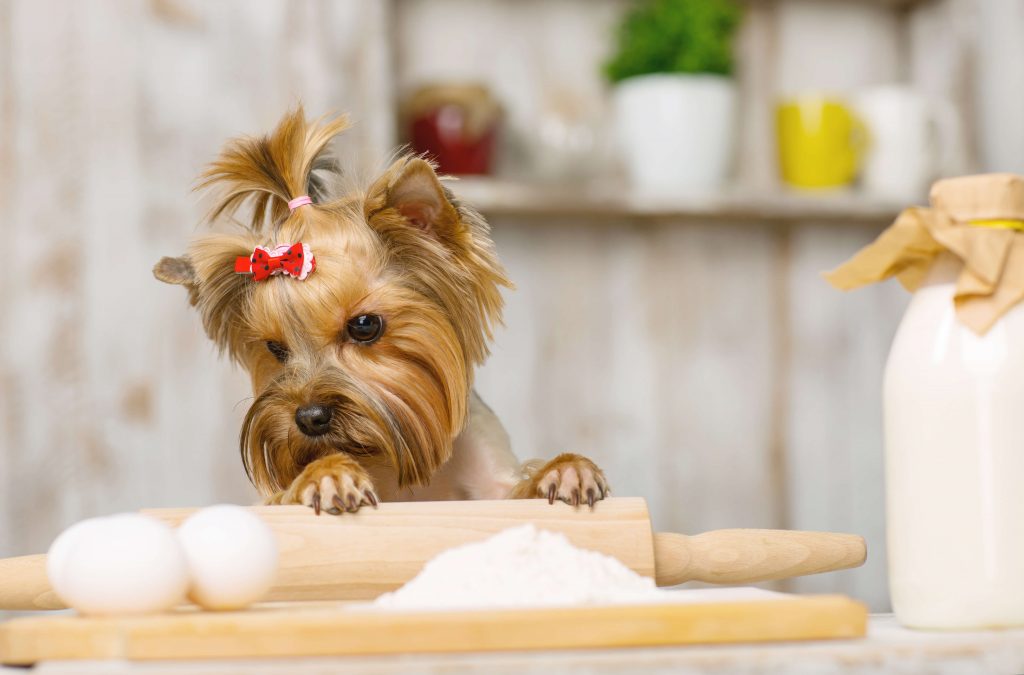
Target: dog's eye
[365, 328]
[279, 351]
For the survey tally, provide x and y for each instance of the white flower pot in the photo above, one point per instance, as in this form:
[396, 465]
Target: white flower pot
[676, 132]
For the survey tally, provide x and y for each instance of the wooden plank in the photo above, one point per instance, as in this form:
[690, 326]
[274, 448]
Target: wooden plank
[944, 63]
[833, 425]
[885, 4]
[7, 131]
[337, 629]
[529, 203]
[756, 52]
[836, 47]
[887, 646]
[990, 79]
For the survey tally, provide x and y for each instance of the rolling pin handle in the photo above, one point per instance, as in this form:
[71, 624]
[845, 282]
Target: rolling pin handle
[25, 585]
[748, 556]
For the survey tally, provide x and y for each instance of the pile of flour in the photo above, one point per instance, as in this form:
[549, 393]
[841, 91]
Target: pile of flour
[520, 567]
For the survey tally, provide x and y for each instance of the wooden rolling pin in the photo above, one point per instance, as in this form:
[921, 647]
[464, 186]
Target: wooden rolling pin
[359, 556]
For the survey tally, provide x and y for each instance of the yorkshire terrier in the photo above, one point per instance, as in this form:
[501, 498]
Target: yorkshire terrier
[360, 318]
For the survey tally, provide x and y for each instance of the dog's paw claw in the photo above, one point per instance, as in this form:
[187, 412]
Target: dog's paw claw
[568, 478]
[334, 484]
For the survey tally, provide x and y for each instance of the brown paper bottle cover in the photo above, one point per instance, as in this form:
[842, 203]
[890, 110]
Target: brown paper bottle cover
[980, 220]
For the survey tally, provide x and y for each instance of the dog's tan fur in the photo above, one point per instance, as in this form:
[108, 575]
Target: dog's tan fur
[406, 423]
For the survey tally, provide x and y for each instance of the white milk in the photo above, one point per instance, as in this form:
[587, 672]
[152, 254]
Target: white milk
[954, 437]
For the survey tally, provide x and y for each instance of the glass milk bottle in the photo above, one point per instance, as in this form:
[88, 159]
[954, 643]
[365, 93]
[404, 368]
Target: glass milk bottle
[954, 405]
[954, 462]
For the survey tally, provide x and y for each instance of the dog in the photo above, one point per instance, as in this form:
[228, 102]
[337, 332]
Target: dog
[360, 318]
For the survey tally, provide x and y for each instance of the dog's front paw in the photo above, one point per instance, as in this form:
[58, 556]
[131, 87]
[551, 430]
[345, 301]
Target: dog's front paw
[335, 484]
[570, 478]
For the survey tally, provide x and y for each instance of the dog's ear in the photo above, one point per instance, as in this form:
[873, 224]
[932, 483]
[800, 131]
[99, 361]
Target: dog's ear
[443, 244]
[175, 271]
[410, 194]
[219, 294]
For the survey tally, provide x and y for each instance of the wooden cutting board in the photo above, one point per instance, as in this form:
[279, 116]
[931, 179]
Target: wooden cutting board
[331, 629]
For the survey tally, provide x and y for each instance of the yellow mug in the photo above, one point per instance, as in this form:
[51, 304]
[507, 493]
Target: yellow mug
[820, 142]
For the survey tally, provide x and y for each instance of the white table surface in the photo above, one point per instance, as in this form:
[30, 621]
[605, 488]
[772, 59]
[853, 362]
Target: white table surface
[888, 648]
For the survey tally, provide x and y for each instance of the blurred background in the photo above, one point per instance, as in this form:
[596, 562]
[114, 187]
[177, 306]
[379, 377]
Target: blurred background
[665, 182]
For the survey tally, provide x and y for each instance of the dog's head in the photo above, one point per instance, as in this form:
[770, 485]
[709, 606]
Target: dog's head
[373, 352]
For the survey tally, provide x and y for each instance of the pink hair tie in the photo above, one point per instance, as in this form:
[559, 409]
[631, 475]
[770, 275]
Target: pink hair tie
[299, 201]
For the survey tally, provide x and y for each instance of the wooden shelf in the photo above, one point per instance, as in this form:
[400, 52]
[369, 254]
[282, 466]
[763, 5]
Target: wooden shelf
[895, 4]
[495, 197]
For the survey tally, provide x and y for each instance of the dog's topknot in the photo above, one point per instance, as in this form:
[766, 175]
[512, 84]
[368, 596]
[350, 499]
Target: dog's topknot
[270, 170]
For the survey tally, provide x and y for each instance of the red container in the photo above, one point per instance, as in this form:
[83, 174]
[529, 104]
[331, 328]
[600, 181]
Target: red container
[455, 126]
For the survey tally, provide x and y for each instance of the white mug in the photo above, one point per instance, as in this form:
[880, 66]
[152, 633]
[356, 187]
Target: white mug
[907, 136]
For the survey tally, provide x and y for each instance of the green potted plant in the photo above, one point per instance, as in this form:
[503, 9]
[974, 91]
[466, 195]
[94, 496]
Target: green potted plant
[674, 98]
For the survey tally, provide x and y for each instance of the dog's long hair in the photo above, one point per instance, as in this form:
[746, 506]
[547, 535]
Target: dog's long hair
[404, 249]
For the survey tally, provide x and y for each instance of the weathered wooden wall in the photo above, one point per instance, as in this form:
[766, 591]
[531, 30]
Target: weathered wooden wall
[704, 364]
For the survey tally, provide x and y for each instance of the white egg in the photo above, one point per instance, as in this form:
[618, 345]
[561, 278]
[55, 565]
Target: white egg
[124, 564]
[232, 556]
[57, 556]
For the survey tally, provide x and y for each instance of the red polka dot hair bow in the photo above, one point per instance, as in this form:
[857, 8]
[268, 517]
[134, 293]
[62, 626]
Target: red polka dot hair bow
[292, 260]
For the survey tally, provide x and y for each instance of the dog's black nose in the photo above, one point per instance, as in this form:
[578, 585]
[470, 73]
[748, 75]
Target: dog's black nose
[313, 419]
